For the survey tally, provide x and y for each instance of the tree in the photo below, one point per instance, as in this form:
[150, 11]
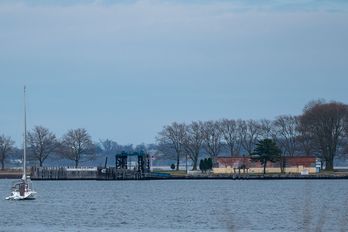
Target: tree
[41, 143]
[286, 130]
[266, 150]
[201, 165]
[326, 123]
[141, 148]
[230, 133]
[212, 138]
[6, 146]
[267, 129]
[345, 143]
[305, 140]
[172, 137]
[172, 166]
[109, 147]
[209, 163]
[206, 164]
[77, 145]
[250, 131]
[193, 141]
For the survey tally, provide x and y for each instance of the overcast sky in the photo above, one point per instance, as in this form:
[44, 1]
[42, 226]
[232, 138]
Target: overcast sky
[124, 70]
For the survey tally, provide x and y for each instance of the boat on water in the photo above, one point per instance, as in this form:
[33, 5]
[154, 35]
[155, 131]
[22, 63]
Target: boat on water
[23, 189]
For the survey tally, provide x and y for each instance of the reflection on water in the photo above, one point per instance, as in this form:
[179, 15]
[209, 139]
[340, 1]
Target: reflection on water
[182, 205]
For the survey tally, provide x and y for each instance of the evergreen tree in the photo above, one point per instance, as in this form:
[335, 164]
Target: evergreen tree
[266, 150]
[201, 165]
[209, 164]
[206, 164]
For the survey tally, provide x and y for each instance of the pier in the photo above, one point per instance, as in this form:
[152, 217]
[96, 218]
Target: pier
[63, 173]
[128, 166]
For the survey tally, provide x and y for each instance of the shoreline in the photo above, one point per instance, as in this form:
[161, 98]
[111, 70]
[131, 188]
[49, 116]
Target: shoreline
[156, 176]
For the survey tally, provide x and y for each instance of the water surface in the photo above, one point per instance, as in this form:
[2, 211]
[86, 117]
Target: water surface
[179, 205]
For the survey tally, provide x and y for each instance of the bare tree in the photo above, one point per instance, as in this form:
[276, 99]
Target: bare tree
[6, 146]
[230, 133]
[326, 122]
[109, 147]
[141, 148]
[345, 140]
[41, 143]
[165, 151]
[173, 136]
[286, 130]
[77, 146]
[305, 140]
[212, 138]
[193, 142]
[267, 129]
[250, 132]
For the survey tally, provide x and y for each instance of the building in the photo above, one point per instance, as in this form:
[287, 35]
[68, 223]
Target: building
[293, 164]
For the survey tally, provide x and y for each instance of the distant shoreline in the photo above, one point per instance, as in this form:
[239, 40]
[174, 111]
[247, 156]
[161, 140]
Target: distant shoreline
[154, 176]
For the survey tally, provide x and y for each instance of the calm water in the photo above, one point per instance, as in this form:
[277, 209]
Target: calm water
[184, 205]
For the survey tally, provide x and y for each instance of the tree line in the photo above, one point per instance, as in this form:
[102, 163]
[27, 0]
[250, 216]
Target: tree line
[321, 130]
[76, 145]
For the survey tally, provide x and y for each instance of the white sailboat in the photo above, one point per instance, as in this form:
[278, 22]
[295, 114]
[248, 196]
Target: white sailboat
[23, 189]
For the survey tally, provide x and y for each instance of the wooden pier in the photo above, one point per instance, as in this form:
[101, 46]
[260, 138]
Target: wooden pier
[128, 166]
[125, 168]
[63, 173]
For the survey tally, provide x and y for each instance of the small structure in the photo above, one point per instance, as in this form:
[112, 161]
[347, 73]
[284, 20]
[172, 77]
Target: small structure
[128, 166]
[287, 164]
[64, 173]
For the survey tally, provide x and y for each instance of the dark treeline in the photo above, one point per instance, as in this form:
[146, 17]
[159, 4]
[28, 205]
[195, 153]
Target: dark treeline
[321, 130]
[74, 147]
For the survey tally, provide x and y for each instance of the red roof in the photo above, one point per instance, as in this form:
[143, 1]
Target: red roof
[290, 161]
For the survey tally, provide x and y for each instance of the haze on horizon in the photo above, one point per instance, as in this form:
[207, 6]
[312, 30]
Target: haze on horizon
[124, 70]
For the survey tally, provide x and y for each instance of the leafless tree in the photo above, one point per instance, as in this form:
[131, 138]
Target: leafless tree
[141, 148]
[193, 142]
[267, 129]
[172, 137]
[6, 146]
[306, 143]
[41, 143]
[212, 138]
[345, 141]
[77, 145]
[165, 151]
[286, 132]
[108, 146]
[230, 133]
[326, 122]
[250, 132]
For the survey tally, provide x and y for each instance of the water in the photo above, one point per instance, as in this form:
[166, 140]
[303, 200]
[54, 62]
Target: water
[183, 205]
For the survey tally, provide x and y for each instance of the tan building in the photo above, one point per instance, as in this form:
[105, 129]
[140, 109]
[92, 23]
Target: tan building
[295, 164]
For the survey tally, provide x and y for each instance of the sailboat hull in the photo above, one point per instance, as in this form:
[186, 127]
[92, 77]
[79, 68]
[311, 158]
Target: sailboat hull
[30, 195]
[22, 190]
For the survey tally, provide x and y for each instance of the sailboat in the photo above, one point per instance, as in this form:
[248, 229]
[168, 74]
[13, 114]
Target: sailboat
[23, 189]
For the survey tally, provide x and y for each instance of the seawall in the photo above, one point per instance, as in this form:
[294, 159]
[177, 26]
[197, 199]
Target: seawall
[100, 174]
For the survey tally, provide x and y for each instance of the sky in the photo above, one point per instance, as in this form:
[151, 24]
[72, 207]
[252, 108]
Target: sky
[125, 69]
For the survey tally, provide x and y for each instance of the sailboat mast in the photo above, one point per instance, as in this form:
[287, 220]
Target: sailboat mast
[25, 140]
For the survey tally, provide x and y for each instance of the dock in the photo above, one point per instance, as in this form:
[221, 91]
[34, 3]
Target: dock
[128, 166]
